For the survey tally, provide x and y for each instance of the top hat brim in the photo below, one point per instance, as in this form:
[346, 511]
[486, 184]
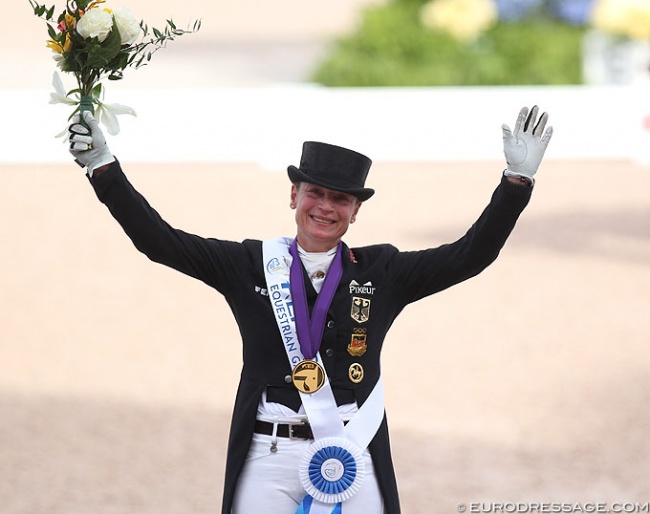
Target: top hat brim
[297, 175]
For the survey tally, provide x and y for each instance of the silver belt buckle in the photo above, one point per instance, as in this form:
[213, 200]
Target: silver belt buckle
[291, 436]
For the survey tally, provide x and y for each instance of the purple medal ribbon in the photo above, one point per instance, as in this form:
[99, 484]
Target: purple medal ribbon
[310, 331]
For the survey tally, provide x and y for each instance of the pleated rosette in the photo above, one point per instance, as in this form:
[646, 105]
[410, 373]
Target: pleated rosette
[332, 470]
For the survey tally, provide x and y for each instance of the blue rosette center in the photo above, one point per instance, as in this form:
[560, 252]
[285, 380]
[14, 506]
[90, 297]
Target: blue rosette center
[332, 470]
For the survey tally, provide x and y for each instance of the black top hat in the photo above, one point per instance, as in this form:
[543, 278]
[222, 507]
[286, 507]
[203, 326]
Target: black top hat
[333, 167]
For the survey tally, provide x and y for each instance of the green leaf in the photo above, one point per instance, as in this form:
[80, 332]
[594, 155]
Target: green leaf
[70, 65]
[100, 54]
[96, 92]
[122, 61]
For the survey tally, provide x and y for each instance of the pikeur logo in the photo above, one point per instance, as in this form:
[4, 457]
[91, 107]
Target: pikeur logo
[366, 288]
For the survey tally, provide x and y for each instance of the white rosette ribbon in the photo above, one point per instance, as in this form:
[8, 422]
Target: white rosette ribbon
[332, 470]
[105, 113]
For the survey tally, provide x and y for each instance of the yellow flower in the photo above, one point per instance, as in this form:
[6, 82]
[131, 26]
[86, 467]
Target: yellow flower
[56, 46]
[67, 46]
[628, 18]
[463, 19]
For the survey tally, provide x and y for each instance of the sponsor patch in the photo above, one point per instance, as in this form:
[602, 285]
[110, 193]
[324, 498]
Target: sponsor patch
[367, 288]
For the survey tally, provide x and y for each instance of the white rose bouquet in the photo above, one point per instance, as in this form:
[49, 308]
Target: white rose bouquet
[93, 42]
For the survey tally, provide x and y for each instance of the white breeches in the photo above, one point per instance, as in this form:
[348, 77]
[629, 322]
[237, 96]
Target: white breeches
[269, 482]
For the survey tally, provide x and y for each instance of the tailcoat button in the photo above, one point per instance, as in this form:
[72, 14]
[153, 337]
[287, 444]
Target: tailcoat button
[329, 352]
[330, 324]
[287, 379]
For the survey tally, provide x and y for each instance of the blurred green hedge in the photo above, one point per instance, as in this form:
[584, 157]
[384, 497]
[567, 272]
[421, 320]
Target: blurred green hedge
[392, 48]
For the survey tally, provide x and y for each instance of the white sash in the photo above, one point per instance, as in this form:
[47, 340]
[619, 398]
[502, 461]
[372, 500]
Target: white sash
[320, 406]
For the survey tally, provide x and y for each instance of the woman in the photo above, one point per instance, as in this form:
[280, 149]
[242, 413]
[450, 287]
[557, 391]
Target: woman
[309, 432]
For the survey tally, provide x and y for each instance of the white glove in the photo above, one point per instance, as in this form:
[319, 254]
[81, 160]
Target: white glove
[88, 144]
[525, 146]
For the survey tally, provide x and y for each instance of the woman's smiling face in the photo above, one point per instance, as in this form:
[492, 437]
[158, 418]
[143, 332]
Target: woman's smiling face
[322, 215]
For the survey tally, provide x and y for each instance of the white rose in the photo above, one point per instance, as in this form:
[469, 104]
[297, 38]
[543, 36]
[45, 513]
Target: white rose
[95, 23]
[127, 24]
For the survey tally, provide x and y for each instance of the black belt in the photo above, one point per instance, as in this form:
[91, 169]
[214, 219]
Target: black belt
[290, 430]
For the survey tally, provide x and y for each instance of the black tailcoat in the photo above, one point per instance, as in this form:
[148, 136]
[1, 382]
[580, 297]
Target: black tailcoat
[379, 278]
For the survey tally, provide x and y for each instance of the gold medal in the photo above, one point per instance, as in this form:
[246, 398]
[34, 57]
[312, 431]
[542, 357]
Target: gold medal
[355, 373]
[308, 376]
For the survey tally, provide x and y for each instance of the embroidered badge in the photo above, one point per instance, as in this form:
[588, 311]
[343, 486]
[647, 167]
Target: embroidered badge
[360, 311]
